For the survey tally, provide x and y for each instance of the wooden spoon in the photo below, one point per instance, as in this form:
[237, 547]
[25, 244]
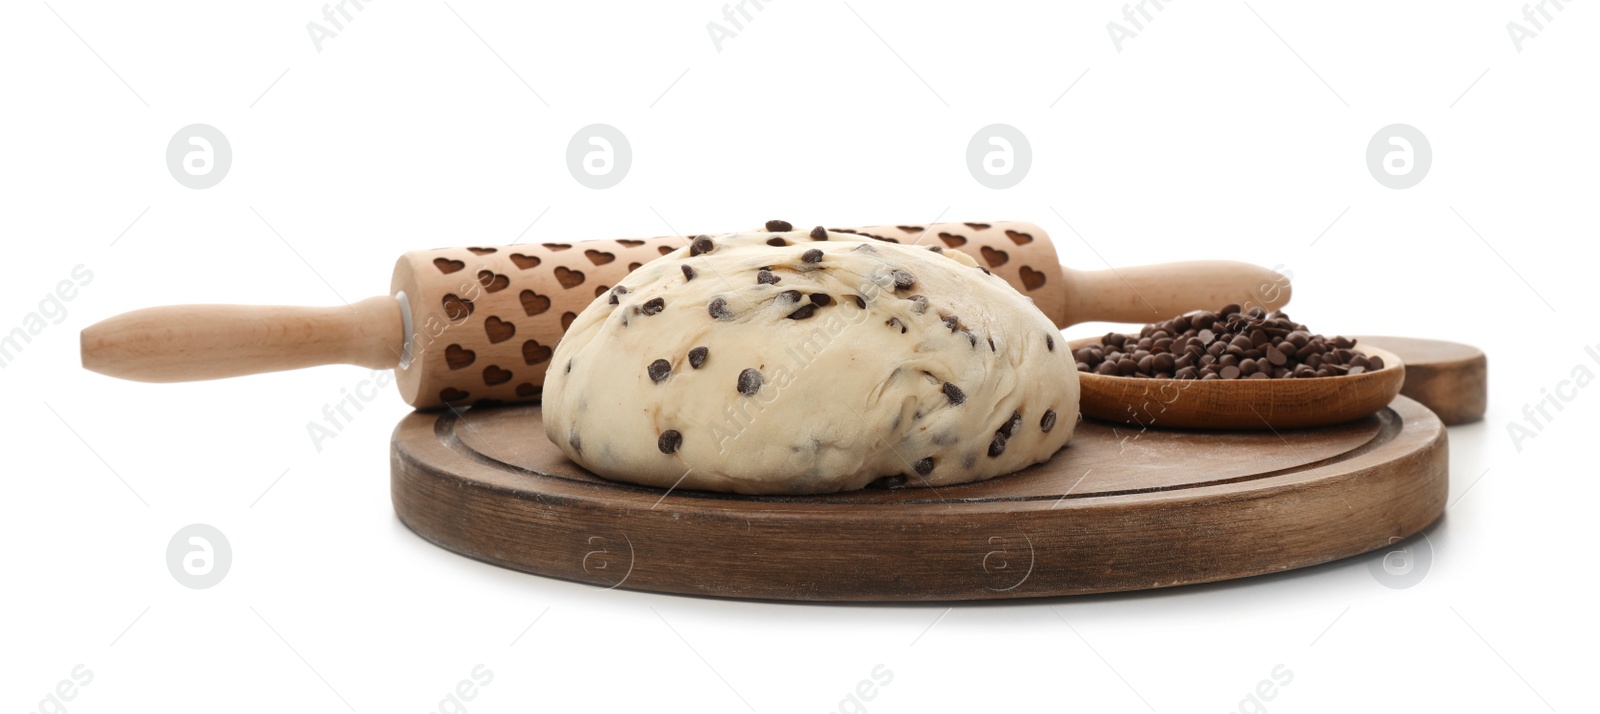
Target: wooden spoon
[1240, 403]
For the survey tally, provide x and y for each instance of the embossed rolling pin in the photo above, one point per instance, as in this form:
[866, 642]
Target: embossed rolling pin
[465, 325]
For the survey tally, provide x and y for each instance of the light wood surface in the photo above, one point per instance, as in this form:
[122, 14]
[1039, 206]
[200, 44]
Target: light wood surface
[1118, 509]
[1265, 404]
[1450, 378]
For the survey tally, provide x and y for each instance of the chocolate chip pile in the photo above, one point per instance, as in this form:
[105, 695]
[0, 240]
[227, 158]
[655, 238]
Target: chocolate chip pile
[1231, 343]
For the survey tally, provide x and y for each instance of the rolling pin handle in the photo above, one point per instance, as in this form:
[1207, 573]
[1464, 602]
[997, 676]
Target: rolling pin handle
[188, 343]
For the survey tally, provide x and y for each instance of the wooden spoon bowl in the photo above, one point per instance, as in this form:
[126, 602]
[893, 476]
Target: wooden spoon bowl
[1240, 403]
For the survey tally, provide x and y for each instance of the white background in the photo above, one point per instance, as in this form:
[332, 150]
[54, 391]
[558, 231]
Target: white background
[423, 124]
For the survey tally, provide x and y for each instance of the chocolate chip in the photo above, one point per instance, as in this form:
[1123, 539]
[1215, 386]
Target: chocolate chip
[697, 357]
[919, 304]
[903, 279]
[860, 301]
[865, 248]
[779, 226]
[991, 345]
[954, 393]
[998, 446]
[569, 366]
[1048, 421]
[749, 382]
[670, 441]
[821, 299]
[777, 242]
[659, 370]
[819, 233]
[653, 306]
[811, 256]
[701, 244]
[895, 322]
[1050, 342]
[804, 312]
[971, 338]
[766, 277]
[688, 273]
[1234, 343]
[718, 307]
[1011, 424]
[789, 296]
[893, 481]
[952, 322]
[923, 467]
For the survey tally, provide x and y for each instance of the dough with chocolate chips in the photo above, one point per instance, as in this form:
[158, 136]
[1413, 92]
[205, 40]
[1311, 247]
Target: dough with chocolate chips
[809, 361]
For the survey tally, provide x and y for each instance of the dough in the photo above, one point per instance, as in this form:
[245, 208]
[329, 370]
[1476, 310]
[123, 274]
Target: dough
[799, 362]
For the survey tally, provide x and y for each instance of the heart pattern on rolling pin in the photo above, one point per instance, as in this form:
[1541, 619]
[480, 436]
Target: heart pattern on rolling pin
[1032, 279]
[978, 226]
[533, 303]
[526, 390]
[599, 257]
[995, 258]
[448, 266]
[534, 353]
[481, 251]
[525, 262]
[569, 279]
[566, 320]
[665, 249]
[498, 330]
[493, 375]
[451, 395]
[601, 290]
[631, 243]
[634, 266]
[557, 246]
[456, 309]
[953, 240]
[491, 282]
[457, 357]
[1019, 237]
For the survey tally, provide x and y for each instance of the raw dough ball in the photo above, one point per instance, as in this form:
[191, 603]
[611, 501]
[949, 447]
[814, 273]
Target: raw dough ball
[809, 362]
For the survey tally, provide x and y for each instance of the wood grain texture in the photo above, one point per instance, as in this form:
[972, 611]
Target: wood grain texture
[1117, 510]
[1450, 378]
[1240, 403]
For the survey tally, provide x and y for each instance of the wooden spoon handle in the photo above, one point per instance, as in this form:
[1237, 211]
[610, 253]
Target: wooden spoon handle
[1148, 293]
[188, 343]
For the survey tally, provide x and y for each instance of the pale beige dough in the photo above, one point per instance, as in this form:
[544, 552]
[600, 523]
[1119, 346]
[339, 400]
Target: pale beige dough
[947, 377]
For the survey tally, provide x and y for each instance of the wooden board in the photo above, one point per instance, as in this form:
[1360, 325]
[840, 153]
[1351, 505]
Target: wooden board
[1116, 510]
[1449, 378]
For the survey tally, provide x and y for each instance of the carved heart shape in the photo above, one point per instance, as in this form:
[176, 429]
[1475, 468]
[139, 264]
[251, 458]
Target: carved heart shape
[557, 246]
[448, 266]
[493, 375]
[481, 251]
[1018, 237]
[601, 290]
[457, 309]
[533, 303]
[525, 261]
[977, 226]
[534, 353]
[457, 356]
[527, 390]
[498, 330]
[451, 394]
[664, 249]
[1032, 279]
[953, 240]
[996, 258]
[598, 257]
[493, 282]
[631, 243]
[910, 229]
[568, 278]
[566, 319]
[634, 266]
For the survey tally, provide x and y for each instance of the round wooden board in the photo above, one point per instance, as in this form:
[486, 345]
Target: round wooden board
[1118, 509]
[1450, 378]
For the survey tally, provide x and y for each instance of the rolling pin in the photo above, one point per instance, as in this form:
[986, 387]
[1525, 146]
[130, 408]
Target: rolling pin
[477, 325]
